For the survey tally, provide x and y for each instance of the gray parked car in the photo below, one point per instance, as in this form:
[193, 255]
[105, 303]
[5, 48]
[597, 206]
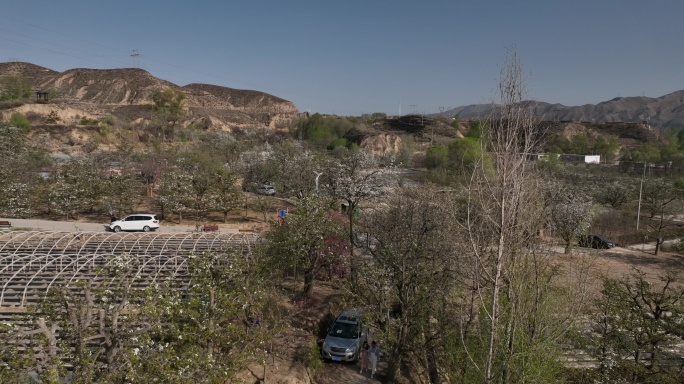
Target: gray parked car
[266, 189]
[344, 339]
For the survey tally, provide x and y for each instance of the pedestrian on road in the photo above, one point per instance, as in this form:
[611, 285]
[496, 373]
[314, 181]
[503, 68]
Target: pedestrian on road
[373, 356]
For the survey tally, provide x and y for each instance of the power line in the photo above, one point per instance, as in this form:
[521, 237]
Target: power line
[67, 52]
[135, 56]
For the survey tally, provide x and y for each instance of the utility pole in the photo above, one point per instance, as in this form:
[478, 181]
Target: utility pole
[413, 108]
[641, 188]
[318, 174]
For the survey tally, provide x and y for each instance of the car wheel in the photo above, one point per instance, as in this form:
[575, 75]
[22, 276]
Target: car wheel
[117, 229]
[146, 229]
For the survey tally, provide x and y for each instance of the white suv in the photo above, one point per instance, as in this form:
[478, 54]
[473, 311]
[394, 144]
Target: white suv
[139, 222]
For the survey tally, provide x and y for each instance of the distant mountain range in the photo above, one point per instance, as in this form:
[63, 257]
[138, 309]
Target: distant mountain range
[661, 112]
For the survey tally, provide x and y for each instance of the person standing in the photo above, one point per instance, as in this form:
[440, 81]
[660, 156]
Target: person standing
[363, 357]
[373, 356]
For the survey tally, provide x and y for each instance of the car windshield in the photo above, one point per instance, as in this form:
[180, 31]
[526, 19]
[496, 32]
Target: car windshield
[344, 330]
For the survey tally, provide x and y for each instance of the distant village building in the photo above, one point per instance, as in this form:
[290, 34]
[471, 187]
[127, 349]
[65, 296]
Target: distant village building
[587, 159]
[536, 156]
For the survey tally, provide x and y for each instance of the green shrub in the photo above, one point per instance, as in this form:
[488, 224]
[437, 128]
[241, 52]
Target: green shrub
[439, 176]
[108, 120]
[104, 129]
[476, 128]
[184, 136]
[466, 153]
[105, 124]
[52, 117]
[436, 157]
[339, 142]
[88, 122]
[14, 88]
[310, 355]
[20, 121]
[7, 104]
[456, 122]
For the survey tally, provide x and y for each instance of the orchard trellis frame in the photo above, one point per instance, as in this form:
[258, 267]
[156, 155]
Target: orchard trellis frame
[31, 263]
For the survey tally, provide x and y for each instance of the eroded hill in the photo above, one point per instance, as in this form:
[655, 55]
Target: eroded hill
[125, 94]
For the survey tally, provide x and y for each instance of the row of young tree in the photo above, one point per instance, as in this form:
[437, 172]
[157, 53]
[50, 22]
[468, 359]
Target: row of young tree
[202, 180]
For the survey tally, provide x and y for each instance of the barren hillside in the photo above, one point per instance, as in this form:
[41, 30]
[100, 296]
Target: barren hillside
[124, 93]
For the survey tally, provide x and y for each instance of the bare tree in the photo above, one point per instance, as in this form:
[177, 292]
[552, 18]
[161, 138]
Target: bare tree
[502, 219]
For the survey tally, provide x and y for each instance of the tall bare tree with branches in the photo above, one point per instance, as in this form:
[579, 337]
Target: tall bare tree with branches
[502, 220]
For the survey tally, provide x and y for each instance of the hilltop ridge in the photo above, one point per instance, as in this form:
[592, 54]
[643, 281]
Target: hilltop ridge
[121, 92]
[666, 111]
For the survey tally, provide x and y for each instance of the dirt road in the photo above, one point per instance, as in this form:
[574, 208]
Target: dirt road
[76, 226]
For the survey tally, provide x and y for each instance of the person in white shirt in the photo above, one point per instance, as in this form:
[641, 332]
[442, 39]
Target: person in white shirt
[373, 355]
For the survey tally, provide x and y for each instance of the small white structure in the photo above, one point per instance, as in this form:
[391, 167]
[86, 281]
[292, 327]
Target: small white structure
[587, 159]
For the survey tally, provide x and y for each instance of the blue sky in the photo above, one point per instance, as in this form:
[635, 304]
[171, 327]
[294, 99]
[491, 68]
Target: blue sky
[352, 57]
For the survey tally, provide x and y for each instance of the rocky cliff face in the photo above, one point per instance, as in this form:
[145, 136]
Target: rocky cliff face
[124, 92]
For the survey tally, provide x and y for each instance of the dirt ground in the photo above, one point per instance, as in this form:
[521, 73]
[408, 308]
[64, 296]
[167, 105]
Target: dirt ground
[284, 362]
[621, 262]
